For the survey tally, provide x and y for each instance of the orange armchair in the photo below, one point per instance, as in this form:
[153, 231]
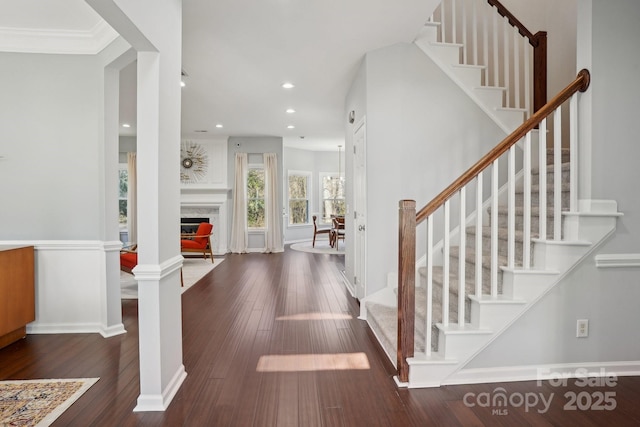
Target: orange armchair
[199, 242]
[128, 259]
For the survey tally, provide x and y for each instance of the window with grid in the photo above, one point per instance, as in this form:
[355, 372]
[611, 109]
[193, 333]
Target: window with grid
[332, 196]
[255, 197]
[299, 197]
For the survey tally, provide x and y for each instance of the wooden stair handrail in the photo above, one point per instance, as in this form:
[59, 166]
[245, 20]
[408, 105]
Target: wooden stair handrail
[581, 83]
[515, 22]
[539, 43]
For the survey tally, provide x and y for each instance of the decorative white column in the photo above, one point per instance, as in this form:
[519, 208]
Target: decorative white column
[154, 29]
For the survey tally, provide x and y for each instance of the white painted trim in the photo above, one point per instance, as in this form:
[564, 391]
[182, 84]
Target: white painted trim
[617, 260]
[542, 372]
[157, 271]
[160, 402]
[64, 328]
[87, 42]
[112, 331]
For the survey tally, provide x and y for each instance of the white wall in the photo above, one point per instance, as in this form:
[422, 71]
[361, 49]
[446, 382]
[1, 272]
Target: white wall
[558, 19]
[607, 297]
[422, 132]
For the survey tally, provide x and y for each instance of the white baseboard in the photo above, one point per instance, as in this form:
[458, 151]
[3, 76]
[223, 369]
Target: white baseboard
[160, 402]
[64, 328]
[112, 331]
[543, 372]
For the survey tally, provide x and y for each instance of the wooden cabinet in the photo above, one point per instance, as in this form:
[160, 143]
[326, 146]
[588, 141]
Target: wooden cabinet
[17, 292]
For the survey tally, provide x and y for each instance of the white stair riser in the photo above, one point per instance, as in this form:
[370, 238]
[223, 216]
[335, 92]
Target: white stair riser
[511, 118]
[587, 228]
[445, 53]
[429, 33]
[489, 96]
[461, 345]
[553, 256]
[469, 76]
[493, 316]
[527, 287]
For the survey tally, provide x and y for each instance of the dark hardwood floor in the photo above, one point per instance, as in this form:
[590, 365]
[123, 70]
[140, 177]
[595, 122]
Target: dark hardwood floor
[274, 340]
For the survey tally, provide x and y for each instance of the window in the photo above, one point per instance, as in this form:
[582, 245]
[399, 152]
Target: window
[255, 197]
[299, 197]
[123, 191]
[332, 193]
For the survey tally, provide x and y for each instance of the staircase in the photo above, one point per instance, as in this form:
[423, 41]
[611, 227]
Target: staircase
[490, 55]
[518, 288]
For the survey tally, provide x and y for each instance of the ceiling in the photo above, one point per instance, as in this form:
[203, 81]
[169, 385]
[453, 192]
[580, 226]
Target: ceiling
[237, 54]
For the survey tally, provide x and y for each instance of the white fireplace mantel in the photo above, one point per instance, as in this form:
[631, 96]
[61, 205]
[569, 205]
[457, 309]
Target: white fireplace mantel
[210, 203]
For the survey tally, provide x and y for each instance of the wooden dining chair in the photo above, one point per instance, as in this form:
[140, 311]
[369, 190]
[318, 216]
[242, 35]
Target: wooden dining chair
[337, 231]
[317, 231]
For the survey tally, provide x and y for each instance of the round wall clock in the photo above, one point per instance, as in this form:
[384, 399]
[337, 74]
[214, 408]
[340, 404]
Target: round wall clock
[194, 162]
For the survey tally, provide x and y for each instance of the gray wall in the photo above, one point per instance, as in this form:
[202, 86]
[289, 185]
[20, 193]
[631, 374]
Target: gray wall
[50, 109]
[422, 132]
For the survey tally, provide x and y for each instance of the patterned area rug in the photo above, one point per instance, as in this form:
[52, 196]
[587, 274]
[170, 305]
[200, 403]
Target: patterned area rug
[193, 270]
[322, 247]
[39, 402]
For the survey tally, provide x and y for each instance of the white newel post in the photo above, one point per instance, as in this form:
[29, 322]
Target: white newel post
[154, 29]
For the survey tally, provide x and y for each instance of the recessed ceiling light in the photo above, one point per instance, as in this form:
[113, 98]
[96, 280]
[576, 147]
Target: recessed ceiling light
[288, 85]
[291, 127]
[126, 125]
[290, 110]
[218, 125]
[182, 83]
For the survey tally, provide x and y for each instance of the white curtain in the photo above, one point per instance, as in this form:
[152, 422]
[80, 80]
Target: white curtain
[239, 232]
[132, 198]
[273, 218]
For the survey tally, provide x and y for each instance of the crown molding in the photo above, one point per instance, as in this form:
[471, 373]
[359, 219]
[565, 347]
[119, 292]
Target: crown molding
[78, 42]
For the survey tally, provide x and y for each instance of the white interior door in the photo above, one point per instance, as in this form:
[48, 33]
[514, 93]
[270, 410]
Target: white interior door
[360, 209]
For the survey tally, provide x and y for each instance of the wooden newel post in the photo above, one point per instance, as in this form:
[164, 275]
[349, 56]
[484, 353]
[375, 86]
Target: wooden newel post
[406, 285]
[539, 44]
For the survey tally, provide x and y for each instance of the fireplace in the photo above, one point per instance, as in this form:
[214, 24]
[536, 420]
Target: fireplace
[206, 206]
[190, 225]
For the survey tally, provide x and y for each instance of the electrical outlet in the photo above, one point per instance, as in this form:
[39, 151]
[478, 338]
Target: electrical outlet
[582, 329]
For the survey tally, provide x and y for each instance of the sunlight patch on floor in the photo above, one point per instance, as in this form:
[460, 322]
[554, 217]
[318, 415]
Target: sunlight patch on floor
[312, 362]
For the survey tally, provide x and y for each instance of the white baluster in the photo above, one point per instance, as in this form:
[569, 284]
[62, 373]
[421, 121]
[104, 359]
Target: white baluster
[526, 241]
[465, 42]
[496, 62]
[429, 317]
[517, 40]
[474, 29]
[573, 153]
[557, 174]
[445, 268]
[454, 19]
[494, 229]
[506, 60]
[479, 236]
[511, 208]
[462, 262]
[443, 31]
[542, 181]
[485, 44]
[527, 78]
